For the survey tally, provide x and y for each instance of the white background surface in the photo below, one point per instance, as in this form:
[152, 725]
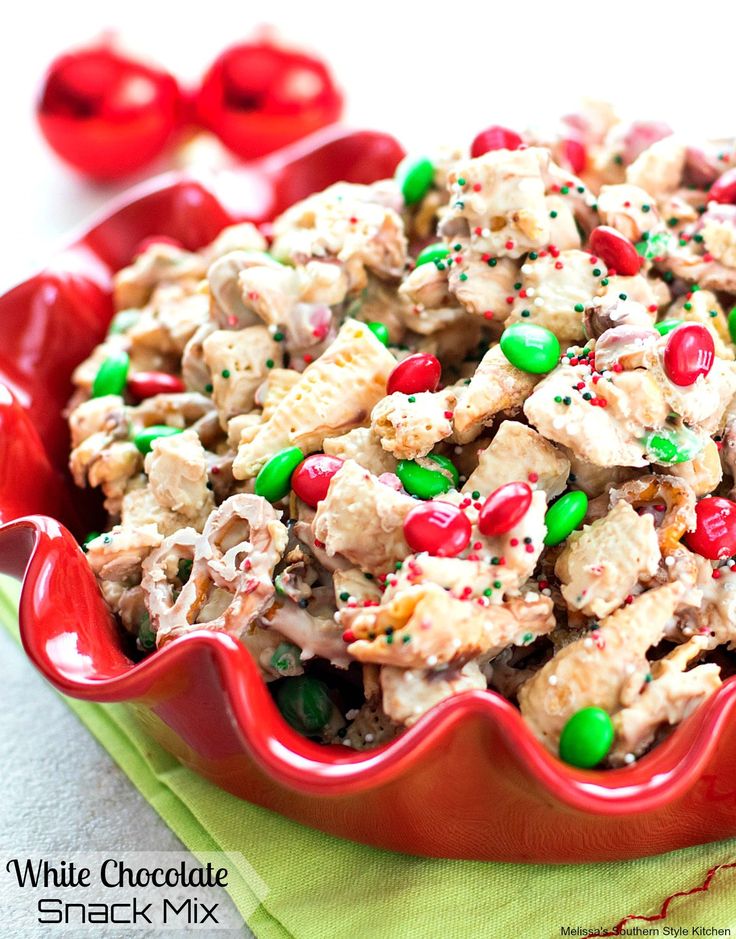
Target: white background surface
[427, 72]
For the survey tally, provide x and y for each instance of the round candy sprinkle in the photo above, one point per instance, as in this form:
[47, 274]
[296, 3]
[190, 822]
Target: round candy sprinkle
[723, 189]
[689, 353]
[147, 384]
[715, 528]
[586, 738]
[504, 508]
[379, 331]
[436, 252]
[144, 438]
[531, 348]
[495, 138]
[305, 703]
[274, 480]
[666, 326]
[564, 516]
[672, 446]
[122, 322]
[311, 479]
[732, 324]
[111, 375]
[426, 483]
[439, 528]
[615, 250]
[416, 373]
[416, 178]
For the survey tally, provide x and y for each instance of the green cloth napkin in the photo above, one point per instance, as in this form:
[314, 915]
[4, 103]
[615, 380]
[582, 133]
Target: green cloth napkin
[295, 882]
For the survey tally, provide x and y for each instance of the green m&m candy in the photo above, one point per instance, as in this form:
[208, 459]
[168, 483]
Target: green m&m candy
[436, 252]
[304, 703]
[286, 658]
[666, 326]
[564, 516]
[531, 348]
[673, 446]
[112, 375]
[274, 480]
[732, 324]
[379, 331]
[586, 738]
[426, 483]
[144, 438]
[122, 321]
[415, 177]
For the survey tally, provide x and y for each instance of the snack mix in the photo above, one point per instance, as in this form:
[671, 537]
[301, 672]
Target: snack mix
[470, 428]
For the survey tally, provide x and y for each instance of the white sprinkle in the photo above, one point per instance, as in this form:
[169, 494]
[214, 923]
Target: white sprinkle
[669, 560]
[368, 738]
[530, 291]
[346, 743]
[630, 668]
[417, 709]
[538, 301]
[547, 592]
[409, 675]
[456, 643]
[431, 660]
[338, 616]
[588, 643]
[458, 451]
[531, 597]
[552, 680]
[629, 758]
[352, 714]
[526, 269]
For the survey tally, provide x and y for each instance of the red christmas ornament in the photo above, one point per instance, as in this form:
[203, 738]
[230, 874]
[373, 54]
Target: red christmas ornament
[311, 479]
[105, 114]
[715, 530]
[257, 96]
[689, 352]
[417, 373]
[504, 508]
[723, 189]
[143, 385]
[438, 528]
[495, 138]
[615, 250]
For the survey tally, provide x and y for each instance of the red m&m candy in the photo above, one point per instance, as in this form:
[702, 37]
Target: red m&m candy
[438, 528]
[715, 530]
[417, 373]
[311, 479]
[615, 250]
[689, 353]
[504, 508]
[723, 189]
[147, 384]
[572, 153]
[495, 138]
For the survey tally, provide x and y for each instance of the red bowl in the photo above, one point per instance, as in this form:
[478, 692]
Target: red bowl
[468, 780]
